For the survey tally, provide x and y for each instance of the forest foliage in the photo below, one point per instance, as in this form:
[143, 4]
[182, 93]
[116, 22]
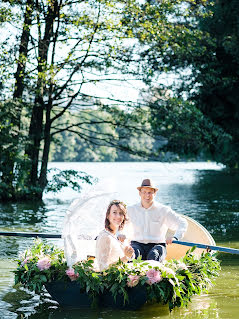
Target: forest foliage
[55, 55]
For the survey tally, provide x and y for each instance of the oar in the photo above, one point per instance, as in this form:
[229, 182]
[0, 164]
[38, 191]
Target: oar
[184, 243]
[35, 235]
[209, 247]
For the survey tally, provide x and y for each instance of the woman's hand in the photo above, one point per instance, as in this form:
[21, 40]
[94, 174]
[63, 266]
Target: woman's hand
[128, 251]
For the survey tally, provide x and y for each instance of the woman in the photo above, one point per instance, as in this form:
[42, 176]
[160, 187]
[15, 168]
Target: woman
[108, 248]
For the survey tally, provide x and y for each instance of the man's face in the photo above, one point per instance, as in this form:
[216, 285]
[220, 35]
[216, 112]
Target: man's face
[147, 195]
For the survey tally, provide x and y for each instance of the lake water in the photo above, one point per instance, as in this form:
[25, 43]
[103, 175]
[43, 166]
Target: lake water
[204, 191]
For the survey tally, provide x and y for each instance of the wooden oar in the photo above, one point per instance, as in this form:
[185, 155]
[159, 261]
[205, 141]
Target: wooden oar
[209, 247]
[184, 243]
[35, 235]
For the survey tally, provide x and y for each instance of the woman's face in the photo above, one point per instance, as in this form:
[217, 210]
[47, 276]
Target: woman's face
[116, 217]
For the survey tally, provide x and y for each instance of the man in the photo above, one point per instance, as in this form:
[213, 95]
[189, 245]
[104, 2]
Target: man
[150, 222]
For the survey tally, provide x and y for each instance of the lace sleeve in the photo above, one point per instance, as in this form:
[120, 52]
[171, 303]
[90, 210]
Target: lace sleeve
[103, 252]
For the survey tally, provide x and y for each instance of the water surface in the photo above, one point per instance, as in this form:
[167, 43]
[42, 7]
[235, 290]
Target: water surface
[204, 191]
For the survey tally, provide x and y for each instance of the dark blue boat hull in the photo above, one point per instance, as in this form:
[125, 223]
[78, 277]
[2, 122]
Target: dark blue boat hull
[70, 295]
[137, 298]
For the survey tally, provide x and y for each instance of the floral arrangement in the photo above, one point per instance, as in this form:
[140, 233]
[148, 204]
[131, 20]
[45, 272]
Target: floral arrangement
[172, 282]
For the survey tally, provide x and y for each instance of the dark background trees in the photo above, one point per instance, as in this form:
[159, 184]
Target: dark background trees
[198, 42]
[218, 75]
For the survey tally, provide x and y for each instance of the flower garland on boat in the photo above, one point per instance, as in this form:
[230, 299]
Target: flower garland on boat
[173, 282]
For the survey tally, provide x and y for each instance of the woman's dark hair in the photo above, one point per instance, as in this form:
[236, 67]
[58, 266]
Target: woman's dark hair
[122, 208]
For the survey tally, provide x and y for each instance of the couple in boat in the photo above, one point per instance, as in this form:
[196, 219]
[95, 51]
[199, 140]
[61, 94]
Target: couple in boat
[139, 230]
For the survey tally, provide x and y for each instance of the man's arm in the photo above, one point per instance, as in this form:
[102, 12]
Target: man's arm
[176, 222]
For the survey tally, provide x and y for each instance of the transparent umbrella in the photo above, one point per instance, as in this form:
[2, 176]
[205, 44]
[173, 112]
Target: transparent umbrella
[83, 221]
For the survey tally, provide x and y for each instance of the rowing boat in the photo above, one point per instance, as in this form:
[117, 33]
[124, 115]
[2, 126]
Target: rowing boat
[69, 294]
[195, 233]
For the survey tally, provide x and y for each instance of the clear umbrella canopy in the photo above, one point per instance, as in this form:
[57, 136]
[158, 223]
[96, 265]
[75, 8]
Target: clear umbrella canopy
[84, 220]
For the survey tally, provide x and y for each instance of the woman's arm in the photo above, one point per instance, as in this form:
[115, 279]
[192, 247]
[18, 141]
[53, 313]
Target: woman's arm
[106, 256]
[103, 252]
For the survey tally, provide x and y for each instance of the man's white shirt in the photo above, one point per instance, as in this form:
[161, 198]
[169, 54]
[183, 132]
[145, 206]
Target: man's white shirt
[150, 225]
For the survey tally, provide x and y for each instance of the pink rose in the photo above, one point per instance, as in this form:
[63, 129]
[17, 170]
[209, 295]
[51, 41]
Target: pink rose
[25, 261]
[71, 274]
[154, 276]
[133, 280]
[44, 263]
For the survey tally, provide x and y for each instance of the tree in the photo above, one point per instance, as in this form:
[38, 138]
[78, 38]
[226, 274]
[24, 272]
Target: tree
[11, 155]
[187, 132]
[69, 146]
[72, 44]
[218, 93]
[198, 41]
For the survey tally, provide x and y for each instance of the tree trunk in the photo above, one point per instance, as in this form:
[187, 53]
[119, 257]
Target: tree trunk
[23, 51]
[35, 137]
[46, 149]
[36, 126]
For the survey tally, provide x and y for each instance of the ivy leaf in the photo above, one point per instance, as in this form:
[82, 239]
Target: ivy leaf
[43, 278]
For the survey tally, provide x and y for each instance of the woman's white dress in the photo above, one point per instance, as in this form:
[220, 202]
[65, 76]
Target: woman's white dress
[108, 250]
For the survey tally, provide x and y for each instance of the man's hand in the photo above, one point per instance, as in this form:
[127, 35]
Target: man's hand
[121, 237]
[169, 240]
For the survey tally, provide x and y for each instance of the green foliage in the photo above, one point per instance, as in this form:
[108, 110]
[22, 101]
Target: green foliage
[28, 272]
[89, 135]
[76, 46]
[72, 46]
[117, 135]
[67, 178]
[173, 282]
[197, 42]
[218, 93]
[11, 149]
[90, 280]
[5, 14]
[188, 133]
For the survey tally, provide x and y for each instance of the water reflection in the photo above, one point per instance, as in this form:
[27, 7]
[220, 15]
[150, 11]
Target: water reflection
[203, 307]
[33, 216]
[18, 215]
[212, 200]
[218, 190]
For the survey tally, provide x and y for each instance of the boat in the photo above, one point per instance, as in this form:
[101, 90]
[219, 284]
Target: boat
[69, 294]
[195, 233]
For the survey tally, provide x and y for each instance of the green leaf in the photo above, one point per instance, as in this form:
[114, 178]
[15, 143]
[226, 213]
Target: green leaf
[43, 278]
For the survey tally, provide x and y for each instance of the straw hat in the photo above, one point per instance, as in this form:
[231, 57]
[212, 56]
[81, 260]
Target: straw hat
[147, 183]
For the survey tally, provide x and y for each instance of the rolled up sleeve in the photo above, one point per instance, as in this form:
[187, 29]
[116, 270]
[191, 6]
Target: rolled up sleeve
[177, 223]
